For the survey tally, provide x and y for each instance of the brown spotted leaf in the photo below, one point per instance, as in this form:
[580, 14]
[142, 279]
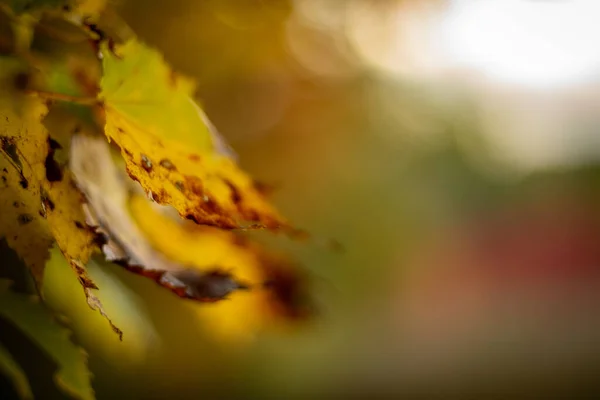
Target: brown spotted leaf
[107, 193]
[23, 148]
[39, 203]
[278, 294]
[169, 146]
[197, 262]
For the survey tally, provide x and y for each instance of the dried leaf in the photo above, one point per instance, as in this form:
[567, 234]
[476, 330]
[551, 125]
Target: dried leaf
[107, 191]
[10, 368]
[168, 145]
[33, 319]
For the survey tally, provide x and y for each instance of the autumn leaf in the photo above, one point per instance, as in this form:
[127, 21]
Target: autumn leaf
[23, 149]
[278, 294]
[107, 192]
[39, 203]
[150, 240]
[35, 320]
[168, 145]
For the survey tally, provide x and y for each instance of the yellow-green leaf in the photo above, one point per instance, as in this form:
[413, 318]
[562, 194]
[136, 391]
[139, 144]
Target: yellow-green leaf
[138, 85]
[168, 145]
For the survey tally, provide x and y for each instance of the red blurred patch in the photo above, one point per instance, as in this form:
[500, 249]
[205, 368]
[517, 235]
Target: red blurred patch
[538, 259]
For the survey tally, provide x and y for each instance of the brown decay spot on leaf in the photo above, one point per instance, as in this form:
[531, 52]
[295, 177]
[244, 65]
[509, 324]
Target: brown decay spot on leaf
[287, 285]
[24, 219]
[265, 189]
[21, 81]
[47, 203]
[9, 147]
[236, 197]
[53, 170]
[146, 163]
[166, 164]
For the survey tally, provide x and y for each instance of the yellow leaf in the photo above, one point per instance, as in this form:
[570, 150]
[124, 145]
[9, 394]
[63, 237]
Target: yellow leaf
[244, 313]
[169, 146]
[23, 150]
[180, 255]
[39, 203]
[107, 191]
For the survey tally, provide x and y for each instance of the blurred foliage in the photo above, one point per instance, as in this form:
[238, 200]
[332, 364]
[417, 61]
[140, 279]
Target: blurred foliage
[30, 315]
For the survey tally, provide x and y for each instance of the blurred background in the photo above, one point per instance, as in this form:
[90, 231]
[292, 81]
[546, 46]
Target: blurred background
[451, 146]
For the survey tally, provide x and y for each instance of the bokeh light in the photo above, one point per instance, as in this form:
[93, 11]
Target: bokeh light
[541, 44]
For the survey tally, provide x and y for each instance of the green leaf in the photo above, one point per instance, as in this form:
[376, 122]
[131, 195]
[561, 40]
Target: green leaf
[13, 371]
[35, 320]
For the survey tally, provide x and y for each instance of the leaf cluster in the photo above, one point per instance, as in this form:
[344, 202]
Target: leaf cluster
[134, 173]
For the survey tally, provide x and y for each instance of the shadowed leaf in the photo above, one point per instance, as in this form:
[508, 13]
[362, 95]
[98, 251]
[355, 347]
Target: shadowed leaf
[35, 320]
[11, 369]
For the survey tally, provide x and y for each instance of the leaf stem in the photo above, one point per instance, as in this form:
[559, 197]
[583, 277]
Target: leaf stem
[86, 101]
